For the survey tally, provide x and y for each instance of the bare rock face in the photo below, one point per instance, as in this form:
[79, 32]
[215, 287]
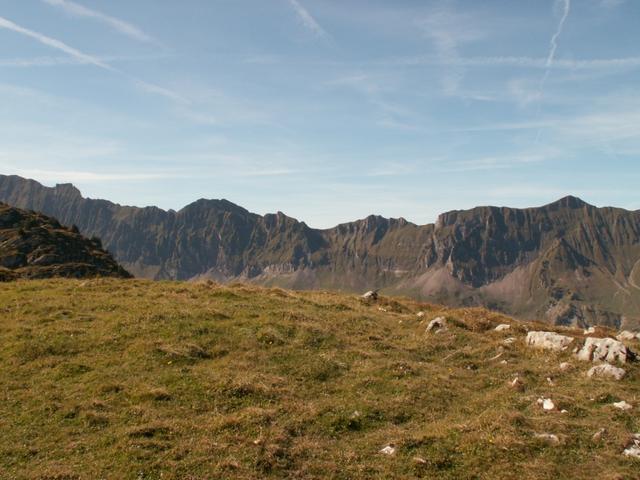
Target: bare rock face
[549, 341]
[607, 370]
[604, 350]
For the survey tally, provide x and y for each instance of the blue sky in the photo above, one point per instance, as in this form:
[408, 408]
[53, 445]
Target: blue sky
[328, 110]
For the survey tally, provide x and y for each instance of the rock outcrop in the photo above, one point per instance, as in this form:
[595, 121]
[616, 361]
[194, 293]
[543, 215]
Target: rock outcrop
[35, 246]
[604, 350]
[549, 341]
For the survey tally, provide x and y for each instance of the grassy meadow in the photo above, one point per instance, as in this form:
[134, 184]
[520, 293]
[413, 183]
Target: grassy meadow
[130, 379]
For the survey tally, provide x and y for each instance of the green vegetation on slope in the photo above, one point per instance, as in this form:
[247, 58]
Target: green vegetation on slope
[126, 379]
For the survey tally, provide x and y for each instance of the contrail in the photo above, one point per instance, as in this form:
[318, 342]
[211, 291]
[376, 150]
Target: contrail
[552, 54]
[307, 20]
[554, 43]
[84, 58]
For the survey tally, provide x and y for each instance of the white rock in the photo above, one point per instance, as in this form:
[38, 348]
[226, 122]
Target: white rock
[622, 405]
[606, 370]
[633, 451]
[548, 341]
[382, 309]
[420, 314]
[603, 350]
[564, 366]
[590, 330]
[547, 437]
[370, 295]
[627, 335]
[437, 324]
[547, 404]
[388, 450]
[502, 327]
[517, 384]
[508, 341]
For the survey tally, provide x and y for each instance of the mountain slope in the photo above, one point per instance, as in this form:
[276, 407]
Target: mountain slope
[35, 246]
[568, 262]
[174, 381]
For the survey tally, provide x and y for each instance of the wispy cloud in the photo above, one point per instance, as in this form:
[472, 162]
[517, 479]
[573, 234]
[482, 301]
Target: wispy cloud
[90, 59]
[523, 62]
[307, 19]
[448, 30]
[53, 43]
[115, 23]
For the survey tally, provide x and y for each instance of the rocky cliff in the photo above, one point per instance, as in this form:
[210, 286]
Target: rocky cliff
[568, 262]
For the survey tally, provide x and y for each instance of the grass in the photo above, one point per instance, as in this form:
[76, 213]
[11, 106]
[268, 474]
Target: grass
[128, 379]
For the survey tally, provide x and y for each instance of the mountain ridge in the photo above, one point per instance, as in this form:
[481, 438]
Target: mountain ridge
[566, 262]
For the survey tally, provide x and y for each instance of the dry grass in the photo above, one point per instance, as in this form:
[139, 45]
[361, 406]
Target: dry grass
[130, 379]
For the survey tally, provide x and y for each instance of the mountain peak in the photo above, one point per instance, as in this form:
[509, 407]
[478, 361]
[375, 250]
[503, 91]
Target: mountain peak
[569, 202]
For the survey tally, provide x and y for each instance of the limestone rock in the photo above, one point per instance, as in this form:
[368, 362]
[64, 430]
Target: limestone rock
[436, 324]
[604, 350]
[502, 327]
[547, 404]
[388, 450]
[548, 341]
[607, 370]
[370, 296]
[623, 405]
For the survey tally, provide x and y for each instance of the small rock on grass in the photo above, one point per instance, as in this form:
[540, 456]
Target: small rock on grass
[623, 405]
[388, 450]
[564, 366]
[547, 404]
[502, 327]
[548, 437]
[437, 324]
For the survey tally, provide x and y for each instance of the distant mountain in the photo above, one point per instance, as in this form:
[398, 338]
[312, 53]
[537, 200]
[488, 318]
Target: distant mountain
[35, 246]
[567, 263]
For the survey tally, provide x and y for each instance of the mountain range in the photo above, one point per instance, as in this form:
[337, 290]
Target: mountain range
[566, 263]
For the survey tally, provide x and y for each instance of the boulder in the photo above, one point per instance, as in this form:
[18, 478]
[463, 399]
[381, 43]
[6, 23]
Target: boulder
[438, 323]
[503, 327]
[548, 341]
[607, 370]
[604, 350]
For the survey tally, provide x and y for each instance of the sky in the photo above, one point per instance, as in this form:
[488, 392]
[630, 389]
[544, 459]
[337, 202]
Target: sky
[327, 110]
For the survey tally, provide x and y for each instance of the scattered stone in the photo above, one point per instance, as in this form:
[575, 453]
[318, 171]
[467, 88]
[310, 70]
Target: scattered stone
[382, 309]
[388, 450]
[627, 335]
[503, 362]
[604, 350]
[508, 341]
[564, 411]
[436, 324]
[547, 404]
[590, 330]
[419, 460]
[548, 341]
[550, 382]
[633, 451]
[623, 405]
[502, 327]
[517, 384]
[371, 295]
[564, 366]
[597, 437]
[606, 370]
[420, 314]
[548, 437]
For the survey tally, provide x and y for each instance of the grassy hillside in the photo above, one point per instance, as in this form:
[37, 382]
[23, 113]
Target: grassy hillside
[126, 379]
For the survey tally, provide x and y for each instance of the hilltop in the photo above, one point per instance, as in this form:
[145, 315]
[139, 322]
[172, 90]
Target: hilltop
[135, 379]
[567, 263]
[33, 245]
